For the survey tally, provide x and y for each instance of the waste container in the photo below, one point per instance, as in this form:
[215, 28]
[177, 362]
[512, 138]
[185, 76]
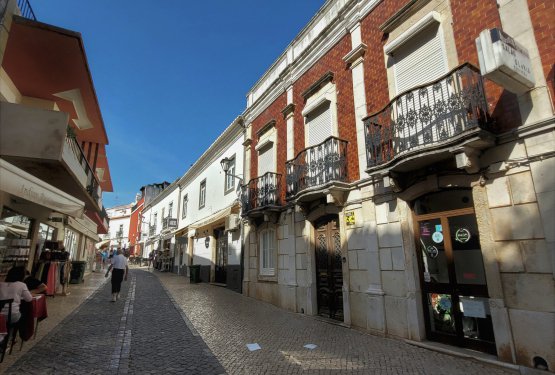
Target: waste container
[194, 274]
[77, 271]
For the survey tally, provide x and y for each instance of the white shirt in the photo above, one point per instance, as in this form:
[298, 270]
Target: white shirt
[119, 262]
[16, 290]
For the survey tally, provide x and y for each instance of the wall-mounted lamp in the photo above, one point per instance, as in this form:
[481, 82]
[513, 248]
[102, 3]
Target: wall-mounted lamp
[225, 163]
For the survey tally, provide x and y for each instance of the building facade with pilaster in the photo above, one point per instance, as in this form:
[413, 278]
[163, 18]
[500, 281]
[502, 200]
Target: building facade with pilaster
[400, 182]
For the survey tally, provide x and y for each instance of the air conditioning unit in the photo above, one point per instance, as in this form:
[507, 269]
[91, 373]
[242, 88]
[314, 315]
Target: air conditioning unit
[232, 222]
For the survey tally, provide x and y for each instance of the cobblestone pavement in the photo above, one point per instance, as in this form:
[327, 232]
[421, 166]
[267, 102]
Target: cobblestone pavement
[165, 325]
[142, 333]
[227, 321]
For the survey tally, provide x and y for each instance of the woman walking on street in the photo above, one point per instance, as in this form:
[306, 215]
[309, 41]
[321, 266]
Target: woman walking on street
[119, 268]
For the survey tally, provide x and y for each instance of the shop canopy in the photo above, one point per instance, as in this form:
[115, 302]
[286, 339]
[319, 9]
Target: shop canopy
[102, 244]
[19, 183]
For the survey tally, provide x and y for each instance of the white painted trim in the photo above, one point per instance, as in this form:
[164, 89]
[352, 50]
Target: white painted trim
[315, 104]
[264, 143]
[413, 30]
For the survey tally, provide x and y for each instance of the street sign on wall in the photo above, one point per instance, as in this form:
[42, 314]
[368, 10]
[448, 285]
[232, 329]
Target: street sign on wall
[505, 61]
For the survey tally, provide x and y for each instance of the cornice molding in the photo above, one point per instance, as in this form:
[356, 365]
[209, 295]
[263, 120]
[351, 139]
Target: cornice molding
[327, 77]
[349, 12]
[270, 124]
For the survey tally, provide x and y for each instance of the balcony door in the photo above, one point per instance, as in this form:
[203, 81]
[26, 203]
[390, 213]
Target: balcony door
[329, 270]
[455, 295]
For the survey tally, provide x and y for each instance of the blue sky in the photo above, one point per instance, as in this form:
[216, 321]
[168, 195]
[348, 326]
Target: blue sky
[171, 75]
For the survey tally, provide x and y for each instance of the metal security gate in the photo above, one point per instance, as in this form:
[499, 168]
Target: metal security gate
[220, 275]
[329, 273]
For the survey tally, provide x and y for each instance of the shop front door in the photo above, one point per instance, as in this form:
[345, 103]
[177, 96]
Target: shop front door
[221, 257]
[453, 280]
[329, 273]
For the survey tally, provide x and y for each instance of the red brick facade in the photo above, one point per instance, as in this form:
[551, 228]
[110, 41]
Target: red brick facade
[470, 17]
[273, 112]
[333, 62]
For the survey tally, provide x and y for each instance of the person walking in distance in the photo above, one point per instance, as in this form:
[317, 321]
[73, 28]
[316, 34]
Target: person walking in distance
[119, 270]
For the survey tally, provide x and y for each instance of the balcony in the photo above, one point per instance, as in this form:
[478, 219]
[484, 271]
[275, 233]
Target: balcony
[169, 223]
[427, 123]
[38, 141]
[261, 194]
[119, 234]
[151, 230]
[26, 10]
[317, 168]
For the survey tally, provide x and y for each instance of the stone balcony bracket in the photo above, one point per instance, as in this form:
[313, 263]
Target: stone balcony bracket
[467, 158]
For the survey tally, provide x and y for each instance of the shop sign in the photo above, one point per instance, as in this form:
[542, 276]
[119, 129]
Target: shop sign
[462, 235]
[473, 308]
[172, 223]
[432, 251]
[350, 218]
[505, 61]
[437, 237]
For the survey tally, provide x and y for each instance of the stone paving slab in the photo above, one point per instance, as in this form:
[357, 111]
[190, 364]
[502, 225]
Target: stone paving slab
[228, 321]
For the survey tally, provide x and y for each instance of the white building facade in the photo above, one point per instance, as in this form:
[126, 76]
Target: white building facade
[209, 225]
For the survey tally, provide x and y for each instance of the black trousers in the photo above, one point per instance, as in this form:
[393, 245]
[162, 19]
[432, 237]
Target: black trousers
[117, 278]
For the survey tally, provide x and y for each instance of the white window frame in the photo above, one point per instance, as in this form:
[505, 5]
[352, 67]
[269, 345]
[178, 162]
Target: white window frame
[170, 209]
[202, 194]
[266, 141]
[326, 95]
[184, 209]
[229, 182]
[268, 252]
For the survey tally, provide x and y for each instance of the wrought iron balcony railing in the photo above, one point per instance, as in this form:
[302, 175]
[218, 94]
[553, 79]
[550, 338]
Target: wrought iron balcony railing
[263, 191]
[119, 234]
[26, 10]
[93, 186]
[317, 165]
[152, 230]
[169, 222]
[427, 116]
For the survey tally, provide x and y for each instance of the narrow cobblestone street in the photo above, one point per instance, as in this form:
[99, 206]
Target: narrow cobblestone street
[205, 329]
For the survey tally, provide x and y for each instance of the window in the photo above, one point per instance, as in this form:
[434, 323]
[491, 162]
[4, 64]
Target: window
[163, 212]
[267, 252]
[229, 176]
[266, 159]
[170, 209]
[319, 124]
[184, 209]
[419, 60]
[155, 220]
[202, 194]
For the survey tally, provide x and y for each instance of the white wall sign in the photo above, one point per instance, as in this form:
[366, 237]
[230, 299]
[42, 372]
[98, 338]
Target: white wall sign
[504, 61]
[473, 308]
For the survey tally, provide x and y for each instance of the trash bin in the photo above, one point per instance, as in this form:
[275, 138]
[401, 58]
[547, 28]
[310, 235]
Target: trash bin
[194, 274]
[77, 271]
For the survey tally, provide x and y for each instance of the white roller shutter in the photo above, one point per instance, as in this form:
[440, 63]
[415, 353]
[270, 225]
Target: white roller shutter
[319, 125]
[420, 60]
[266, 159]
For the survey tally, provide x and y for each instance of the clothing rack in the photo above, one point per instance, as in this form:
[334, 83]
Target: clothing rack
[55, 274]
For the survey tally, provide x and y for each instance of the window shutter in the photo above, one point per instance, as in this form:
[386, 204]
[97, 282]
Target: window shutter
[420, 60]
[319, 125]
[266, 159]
